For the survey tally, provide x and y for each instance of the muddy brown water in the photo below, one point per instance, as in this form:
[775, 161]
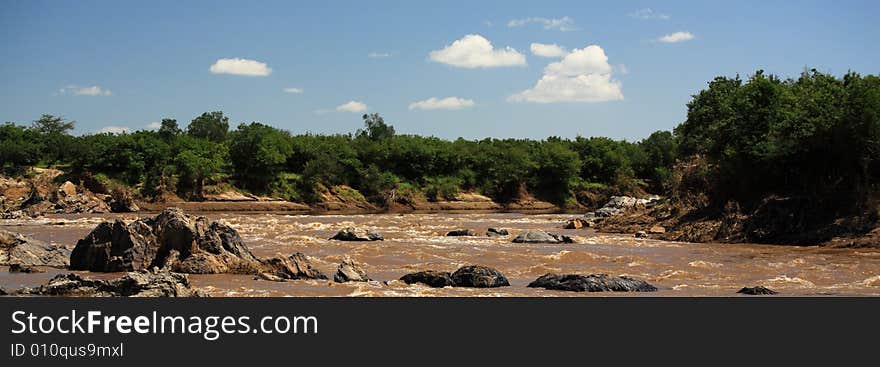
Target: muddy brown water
[416, 242]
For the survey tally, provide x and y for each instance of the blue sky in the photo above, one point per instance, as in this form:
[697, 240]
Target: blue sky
[127, 65]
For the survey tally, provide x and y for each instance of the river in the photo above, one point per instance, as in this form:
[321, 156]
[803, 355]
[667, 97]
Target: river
[416, 242]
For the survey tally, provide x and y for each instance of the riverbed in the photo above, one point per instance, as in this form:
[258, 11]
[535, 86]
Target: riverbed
[416, 242]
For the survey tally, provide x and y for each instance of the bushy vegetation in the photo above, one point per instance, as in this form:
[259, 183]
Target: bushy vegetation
[815, 135]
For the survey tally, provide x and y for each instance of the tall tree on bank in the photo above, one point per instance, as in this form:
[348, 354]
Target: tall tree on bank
[213, 126]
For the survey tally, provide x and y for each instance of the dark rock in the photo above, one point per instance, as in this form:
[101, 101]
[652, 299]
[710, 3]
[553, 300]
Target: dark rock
[431, 278]
[19, 249]
[353, 234]
[121, 201]
[541, 237]
[576, 223]
[350, 271]
[461, 232]
[180, 242]
[492, 232]
[296, 266]
[478, 276]
[19, 268]
[641, 234]
[143, 283]
[757, 290]
[591, 283]
[3, 292]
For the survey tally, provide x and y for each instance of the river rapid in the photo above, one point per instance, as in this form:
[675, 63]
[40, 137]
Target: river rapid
[416, 242]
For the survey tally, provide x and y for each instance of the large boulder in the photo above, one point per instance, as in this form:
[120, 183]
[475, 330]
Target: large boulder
[591, 283]
[356, 234]
[461, 232]
[121, 201]
[431, 278]
[19, 249]
[350, 271]
[537, 236]
[296, 266]
[143, 283]
[174, 240]
[478, 276]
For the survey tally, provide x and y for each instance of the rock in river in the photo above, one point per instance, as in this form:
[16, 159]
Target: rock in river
[497, 232]
[461, 232]
[350, 271]
[180, 242]
[431, 278]
[296, 266]
[356, 234]
[143, 283]
[591, 283]
[22, 250]
[541, 237]
[478, 276]
[757, 290]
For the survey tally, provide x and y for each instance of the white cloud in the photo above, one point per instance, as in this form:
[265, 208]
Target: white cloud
[583, 75]
[239, 66]
[474, 51]
[648, 13]
[376, 55]
[154, 125]
[293, 90]
[448, 103]
[564, 24]
[352, 106]
[676, 37]
[85, 91]
[113, 130]
[548, 50]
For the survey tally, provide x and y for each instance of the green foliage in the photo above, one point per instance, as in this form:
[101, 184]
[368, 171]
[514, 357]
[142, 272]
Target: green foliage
[375, 128]
[213, 126]
[19, 146]
[258, 154]
[443, 188]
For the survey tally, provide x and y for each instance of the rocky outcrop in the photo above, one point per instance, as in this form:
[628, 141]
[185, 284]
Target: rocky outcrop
[143, 283]
[431, 278]
[121, 201]
[537, 236]
[756, 291]
[172, 240]
[296, 266]
[356, 234]
[577, 223]
[461, 232]
[615, 206]
[591, 283]
[350, 271]
[18, 268]
[497, 232]
[478, 276]
[22, 250]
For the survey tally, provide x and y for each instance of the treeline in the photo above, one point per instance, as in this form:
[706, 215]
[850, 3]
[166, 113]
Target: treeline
[379, 163]
[817, 136]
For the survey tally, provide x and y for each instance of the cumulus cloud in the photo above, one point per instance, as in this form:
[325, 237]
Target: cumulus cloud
[376, 55]
[564, 24]
[113, 130]
[548, 50]
[648, 13]
[85, 91]
[239, 66]
[583, 75]
[154, 125]
[352, 106]
[676, 37]
[293, 90]
[474, 51]
[448, 103]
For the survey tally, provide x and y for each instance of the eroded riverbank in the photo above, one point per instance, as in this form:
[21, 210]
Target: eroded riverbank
[416, 242]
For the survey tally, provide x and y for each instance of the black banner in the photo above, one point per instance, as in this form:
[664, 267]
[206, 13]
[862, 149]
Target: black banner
[128, 331]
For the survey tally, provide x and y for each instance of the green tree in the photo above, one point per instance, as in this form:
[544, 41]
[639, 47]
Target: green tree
[375, 128]
[168, 129]
[258, 154]
[213, 126]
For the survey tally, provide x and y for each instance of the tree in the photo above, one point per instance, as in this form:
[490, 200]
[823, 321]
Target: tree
[258, 154]
[56, 142]
[213, 126]
[52, 125]
[169, 129]
[375, 128]
[19, 146]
